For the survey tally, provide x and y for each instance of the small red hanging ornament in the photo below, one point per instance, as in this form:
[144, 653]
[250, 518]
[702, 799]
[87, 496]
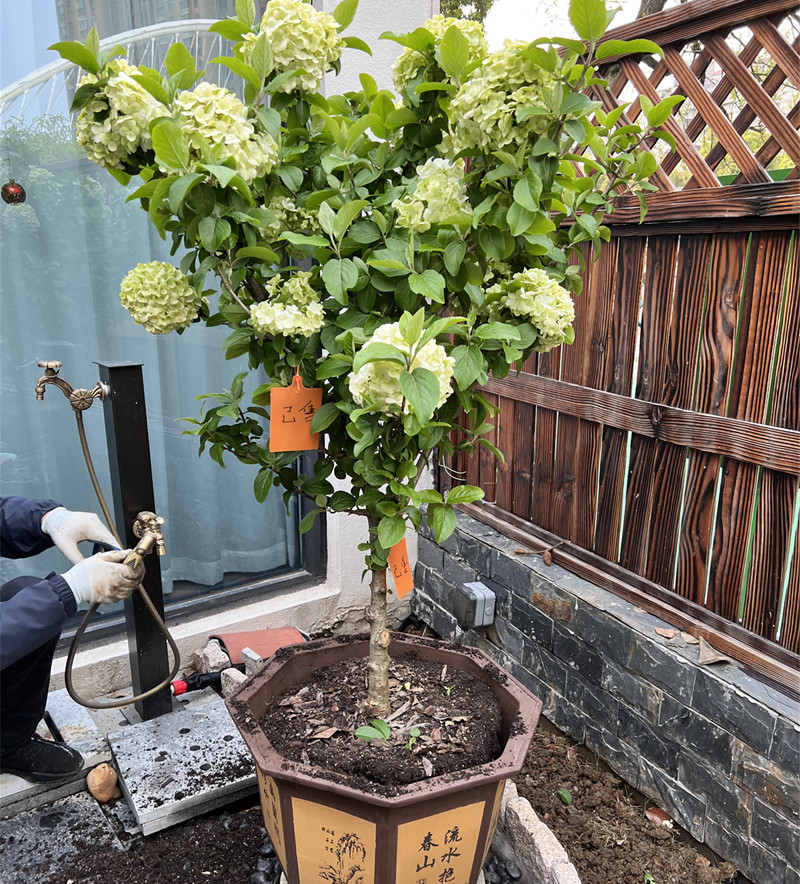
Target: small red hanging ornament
[13, 193]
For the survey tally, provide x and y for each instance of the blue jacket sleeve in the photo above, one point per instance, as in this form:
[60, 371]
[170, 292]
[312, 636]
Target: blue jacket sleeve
[33, 616]
[21, 526]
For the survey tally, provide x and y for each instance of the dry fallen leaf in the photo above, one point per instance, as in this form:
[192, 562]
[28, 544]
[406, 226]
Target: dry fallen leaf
[521, 551]
[667, 633]
[689, 639]
[324, 734]
[657, 816]
[709, 655]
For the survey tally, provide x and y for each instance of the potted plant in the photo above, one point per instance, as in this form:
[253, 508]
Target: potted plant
[377, 255]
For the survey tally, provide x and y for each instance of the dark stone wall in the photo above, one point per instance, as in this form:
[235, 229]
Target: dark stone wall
[714, 747]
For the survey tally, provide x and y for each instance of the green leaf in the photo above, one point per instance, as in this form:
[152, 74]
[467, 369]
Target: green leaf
[576, 103]
[237, 343]
[454, 256]
[388, 264]
[326, 216]
[519, 218]
[421, 389]
[78, 54]
[153, 86]
[527, 192]
[230, 29]
[345, 12]
[261, 56]
[307, 522]
[263, 484]
[180, 61]
[339, 277]
[246, 12]
[302, 239]
[292, 177]
[610, 48]
[661, 112]
[378, 352]
[170, 145]
[468, 366]
[454, 52]
[420, 40]
[213, 232]
[565, 796]
[411, 326]
[464, 494]
[391, 530]
[345, 217]
[240, 68]
[356, 43]
[429, 284]
[443, 520]
[499, 331]
[589, 19]
[324, 416]
[261, 252]
[92, 42]
[179, 188]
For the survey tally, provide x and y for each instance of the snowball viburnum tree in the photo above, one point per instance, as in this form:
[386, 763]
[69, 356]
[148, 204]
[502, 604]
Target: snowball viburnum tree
[393, 249]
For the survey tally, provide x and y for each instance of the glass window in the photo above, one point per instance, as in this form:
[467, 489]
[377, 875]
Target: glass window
[65, 252]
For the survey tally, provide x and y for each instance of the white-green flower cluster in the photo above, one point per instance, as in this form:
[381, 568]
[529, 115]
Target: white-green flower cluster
[159, 297]
[293, 308]
[440, 195]
[213, 116]
[408, 64]
[376, 385]
[302, 39]
[484, 109]
[288, 216]
[538, 298]
[115, 123]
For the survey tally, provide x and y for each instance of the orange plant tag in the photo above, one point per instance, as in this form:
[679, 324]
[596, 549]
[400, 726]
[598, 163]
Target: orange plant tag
[401, 569]
[291, 410]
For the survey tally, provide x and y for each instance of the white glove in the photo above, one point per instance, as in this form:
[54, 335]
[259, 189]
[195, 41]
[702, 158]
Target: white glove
[67, 529]
[103, 579]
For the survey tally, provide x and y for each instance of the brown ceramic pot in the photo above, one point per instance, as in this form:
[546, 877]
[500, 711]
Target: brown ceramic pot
[433, 832]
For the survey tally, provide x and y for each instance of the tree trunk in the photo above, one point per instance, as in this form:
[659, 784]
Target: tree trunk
[378, 694]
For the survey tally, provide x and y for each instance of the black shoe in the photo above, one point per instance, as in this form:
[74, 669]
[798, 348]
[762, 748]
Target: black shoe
[42, 761]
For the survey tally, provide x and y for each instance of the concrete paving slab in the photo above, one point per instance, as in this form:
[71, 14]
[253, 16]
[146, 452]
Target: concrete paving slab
[34, 841]
[80, 731]
[181, 765]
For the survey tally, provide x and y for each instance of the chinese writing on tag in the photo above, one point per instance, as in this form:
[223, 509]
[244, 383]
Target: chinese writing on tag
[401, 569]
[291, 411]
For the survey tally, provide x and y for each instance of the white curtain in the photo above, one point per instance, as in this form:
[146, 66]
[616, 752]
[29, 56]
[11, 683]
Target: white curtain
[63, 254]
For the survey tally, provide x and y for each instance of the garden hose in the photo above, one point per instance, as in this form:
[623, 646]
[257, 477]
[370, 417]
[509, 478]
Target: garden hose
[94, 704]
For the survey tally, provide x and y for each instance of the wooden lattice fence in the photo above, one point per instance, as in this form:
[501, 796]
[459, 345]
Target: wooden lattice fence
[662, 449]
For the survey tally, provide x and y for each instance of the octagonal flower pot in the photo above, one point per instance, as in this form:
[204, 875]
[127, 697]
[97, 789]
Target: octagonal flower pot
[437, 831]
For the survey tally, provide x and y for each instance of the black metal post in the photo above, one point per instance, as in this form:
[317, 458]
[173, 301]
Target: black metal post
[132, 488]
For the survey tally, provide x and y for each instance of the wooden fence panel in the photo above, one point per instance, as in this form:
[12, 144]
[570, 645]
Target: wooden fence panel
[544, 447]
[620, 354]
[656, 310]
[715, 362]
[677, 389]
[567, 453]
[762, 300]
[777, 493]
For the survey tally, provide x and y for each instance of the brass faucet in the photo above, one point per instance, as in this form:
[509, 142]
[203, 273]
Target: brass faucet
[79, 399]
[147, 527]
